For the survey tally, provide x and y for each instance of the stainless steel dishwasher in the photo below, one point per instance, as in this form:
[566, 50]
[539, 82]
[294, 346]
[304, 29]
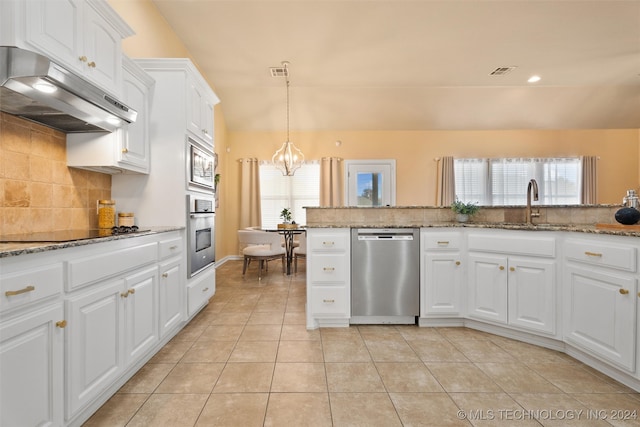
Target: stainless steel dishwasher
[385, 275]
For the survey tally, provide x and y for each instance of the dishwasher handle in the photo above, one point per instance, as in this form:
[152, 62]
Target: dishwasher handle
[385, 237]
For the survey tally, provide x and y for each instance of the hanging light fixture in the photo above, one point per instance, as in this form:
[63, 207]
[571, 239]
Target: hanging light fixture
[288, 158]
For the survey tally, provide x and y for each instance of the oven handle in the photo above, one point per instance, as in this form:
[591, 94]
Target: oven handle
[202, 215]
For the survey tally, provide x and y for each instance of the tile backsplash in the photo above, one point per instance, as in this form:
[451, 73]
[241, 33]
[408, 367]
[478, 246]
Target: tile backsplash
[38, 192]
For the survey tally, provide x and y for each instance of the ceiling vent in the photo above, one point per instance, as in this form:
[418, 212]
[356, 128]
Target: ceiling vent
[501, 71]
[280, 71]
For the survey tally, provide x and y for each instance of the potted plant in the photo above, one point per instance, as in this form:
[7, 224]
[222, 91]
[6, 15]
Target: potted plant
[464, 210]
[285, 214]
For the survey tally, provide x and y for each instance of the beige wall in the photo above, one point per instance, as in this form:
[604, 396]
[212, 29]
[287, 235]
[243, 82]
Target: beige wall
[38, 192]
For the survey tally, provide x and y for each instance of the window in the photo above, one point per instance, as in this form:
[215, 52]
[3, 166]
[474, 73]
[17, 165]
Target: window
[504, 181]
[278, 192]
[370, 182]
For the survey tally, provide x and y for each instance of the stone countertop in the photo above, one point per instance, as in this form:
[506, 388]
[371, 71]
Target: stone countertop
[18, 248]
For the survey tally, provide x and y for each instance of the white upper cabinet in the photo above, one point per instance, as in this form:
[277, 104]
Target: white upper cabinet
[200, 111]
[83, 35]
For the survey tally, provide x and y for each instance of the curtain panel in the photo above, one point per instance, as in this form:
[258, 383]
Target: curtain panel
[250, 212]
[331, 182]
[589, 187]
[446, 191]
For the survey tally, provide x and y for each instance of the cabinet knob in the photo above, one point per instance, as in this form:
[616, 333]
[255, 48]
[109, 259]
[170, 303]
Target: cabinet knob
[624, 291]
[132, 291]
[92, 64]
[61, 324]
[124, 294]
[165, 275]
[125, 150]
[501, 267]
[512, 269]
[457, 262]
[82, 58]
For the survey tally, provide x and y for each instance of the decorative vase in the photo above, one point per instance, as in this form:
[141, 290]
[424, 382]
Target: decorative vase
[462, 217]
[627, 216]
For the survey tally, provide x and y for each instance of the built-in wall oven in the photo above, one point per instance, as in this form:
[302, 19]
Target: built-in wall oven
[200, 233]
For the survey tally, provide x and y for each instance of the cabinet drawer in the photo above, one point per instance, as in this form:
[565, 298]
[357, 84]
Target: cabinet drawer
[91, 269]
[330, 301]
[328, 268]
[199, 292]
[513, 244]
[24, 287]
[441, 241]
[603, 254]
[171, 247]
[328, 242]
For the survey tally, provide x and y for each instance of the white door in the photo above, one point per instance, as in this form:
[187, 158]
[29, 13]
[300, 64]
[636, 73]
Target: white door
[371, 182]
[171, 299]
[488, 287]
[141, 314]
[532, 302]
[443, 280]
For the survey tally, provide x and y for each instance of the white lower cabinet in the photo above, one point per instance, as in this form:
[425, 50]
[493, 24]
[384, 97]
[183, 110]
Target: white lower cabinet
[328, 277]
[171, 295]
[601, 299]
[31, 368]
[141, 313]
[441, 274]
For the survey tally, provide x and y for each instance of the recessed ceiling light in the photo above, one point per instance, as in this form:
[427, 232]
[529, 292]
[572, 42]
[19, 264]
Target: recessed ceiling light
[534, 79]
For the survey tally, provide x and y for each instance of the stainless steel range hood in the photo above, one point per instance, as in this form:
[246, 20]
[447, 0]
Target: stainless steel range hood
[68, 103]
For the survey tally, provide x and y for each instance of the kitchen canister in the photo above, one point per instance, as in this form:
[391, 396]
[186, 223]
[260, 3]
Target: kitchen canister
[126, 219]
[106, 213]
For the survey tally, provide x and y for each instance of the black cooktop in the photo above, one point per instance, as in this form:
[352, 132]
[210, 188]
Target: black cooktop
[68, 235]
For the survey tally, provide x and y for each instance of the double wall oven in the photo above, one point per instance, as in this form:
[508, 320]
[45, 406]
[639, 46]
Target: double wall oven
[200, 233]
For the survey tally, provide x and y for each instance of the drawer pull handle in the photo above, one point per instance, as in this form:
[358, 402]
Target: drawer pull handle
[328, 269]
[623, 291]
[61, 324]
[457, 262]
[132, 291]
[165, 275]
[205, 289]
[20, 291]
[173, 247]
[328, 243]
[501, 267]
[587, 253]
[329, 300]
[512, 269]
[443, 242]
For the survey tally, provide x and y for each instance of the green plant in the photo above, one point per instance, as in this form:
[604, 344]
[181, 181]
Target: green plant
[285, 214]
[464, 208]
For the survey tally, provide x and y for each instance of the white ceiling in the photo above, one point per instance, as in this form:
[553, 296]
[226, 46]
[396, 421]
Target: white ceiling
[417, 65]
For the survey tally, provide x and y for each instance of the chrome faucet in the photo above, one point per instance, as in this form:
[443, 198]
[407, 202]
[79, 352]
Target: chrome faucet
[533, 186]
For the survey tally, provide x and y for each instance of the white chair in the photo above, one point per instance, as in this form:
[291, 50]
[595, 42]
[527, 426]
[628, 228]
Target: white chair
[262, 246]
[300, 251]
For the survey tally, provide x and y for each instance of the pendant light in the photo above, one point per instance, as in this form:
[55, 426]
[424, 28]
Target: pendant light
[288, 158]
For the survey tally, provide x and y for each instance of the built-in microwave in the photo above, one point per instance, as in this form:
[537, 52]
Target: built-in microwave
[201, 167]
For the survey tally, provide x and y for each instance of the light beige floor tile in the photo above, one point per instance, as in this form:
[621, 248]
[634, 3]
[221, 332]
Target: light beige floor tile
[556, 410]
[295, 318]
[363, 409]
[349, 350]
[456, 334]
[517, 378]
[261, 333]
[300, 351]
[117, 411]
[209, 352]
[340, 333]
[254, 351]
[221, 333]
[427, 409]
[172, 352]
[410, 333]
[266, 318]
[391, 350]
[379, 332]
[191, 332]
[437, 351]
[298, 409]
[191, 378]
[299, 378]
[231, 318]
[147, 379]
[619, 409]
[483, 351]
[572, 378]
[234, 409]
[353, 378]
[529, 353]
[491, 409]
[169, 410]
[299, 332]
[270, 307]
[462, 377]
[245, 378]
[407, 377]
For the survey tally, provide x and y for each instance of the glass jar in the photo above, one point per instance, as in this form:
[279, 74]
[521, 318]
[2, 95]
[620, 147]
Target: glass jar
[106, 213]
[126, 219]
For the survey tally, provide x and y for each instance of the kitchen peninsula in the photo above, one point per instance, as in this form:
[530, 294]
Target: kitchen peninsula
[569, 281]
